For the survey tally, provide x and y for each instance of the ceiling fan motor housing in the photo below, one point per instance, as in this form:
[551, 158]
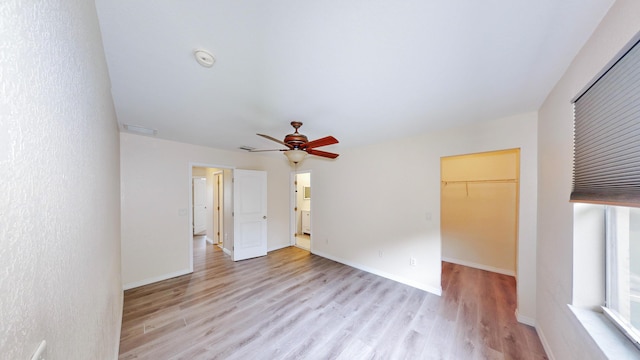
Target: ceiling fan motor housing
[296, 139]
[300, 144]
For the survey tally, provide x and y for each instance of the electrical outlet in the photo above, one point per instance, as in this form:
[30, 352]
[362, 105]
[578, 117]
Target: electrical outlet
[412, 261]
[40, 352]
[380, 253]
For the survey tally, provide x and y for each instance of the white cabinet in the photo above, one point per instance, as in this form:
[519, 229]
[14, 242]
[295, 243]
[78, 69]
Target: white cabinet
[306, 221]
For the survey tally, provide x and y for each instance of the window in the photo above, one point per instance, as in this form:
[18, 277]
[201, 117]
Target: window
[606, 165]
[606, 170]
[623, 269]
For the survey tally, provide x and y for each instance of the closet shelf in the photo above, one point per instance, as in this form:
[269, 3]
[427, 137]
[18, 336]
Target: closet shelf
[480, 181]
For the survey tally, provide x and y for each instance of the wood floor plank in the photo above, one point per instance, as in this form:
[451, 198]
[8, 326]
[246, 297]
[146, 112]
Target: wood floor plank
[294, 305]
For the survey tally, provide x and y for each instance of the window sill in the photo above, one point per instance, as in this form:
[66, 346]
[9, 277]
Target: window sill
[612, 343]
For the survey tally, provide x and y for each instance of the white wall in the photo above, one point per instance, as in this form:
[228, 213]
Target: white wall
[155, 202]
[59, 225]
[397, 186]
[556, 324]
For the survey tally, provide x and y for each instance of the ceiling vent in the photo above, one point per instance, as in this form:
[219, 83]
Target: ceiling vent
[140, 130]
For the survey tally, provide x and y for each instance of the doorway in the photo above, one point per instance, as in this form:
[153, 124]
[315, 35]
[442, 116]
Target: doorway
[242, 204]
[479, 210]
[207, 203]
[302, 210]
[209, 211]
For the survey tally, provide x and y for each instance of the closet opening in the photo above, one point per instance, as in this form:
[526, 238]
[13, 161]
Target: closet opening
[479, 210]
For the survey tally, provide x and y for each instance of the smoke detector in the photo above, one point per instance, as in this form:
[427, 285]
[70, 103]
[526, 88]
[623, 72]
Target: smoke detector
[204, 58]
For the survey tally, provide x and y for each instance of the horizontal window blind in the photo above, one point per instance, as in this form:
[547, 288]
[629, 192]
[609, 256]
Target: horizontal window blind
[606, 152]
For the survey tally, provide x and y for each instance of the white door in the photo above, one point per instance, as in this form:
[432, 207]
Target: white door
[250, 214]
[199, 205]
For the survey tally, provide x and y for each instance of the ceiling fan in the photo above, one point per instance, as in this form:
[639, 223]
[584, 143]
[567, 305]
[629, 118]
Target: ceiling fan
[298, 145]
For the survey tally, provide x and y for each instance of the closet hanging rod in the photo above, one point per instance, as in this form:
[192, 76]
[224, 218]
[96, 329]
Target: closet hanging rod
[480, 181]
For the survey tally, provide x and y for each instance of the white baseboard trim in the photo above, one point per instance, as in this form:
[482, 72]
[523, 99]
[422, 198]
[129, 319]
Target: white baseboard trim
[545, 344]
[119, 328]
[402, 280]
[480, 266]
[155, 279]
[525, 319]
[227, 251]
[208, 240]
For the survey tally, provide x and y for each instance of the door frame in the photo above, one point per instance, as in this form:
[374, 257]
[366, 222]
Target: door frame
[516, 255]
[190, 199]
[293, 220]
[218, 208]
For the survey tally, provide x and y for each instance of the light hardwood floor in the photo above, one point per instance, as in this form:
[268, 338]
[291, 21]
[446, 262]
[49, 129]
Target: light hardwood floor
[294, 305]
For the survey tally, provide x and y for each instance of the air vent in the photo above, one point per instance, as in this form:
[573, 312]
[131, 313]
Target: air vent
[140, 130]
[248, 148]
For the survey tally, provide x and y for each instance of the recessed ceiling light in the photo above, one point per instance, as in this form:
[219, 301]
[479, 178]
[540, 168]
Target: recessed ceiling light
[204, 58]
[140, 130]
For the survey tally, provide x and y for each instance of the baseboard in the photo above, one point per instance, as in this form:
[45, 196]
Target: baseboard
[208, 240]
[545, 344]
[480, 266]
[155, 279]
[402, 280]
[525, 319]
[119, 327]
[227, 251]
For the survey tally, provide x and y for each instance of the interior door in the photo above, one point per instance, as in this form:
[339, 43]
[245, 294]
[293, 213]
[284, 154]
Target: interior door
[199, 205]
[250, 214]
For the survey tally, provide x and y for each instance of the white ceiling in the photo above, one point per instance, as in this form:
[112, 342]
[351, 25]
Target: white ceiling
[360, 70]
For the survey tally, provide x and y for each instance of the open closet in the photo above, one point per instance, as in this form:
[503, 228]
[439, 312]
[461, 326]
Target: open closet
[479, 210]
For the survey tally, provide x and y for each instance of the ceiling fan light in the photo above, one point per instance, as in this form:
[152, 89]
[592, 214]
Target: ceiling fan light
[295, 156]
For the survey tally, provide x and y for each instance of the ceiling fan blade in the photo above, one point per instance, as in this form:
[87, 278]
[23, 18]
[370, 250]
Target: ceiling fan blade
[322, 153]
[327, 140]
[274, 139]
[268, 150]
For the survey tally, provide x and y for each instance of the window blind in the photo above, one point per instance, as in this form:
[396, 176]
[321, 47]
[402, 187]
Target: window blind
[606, 152]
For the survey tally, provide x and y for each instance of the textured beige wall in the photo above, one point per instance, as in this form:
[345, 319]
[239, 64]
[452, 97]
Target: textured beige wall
[59, 180]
